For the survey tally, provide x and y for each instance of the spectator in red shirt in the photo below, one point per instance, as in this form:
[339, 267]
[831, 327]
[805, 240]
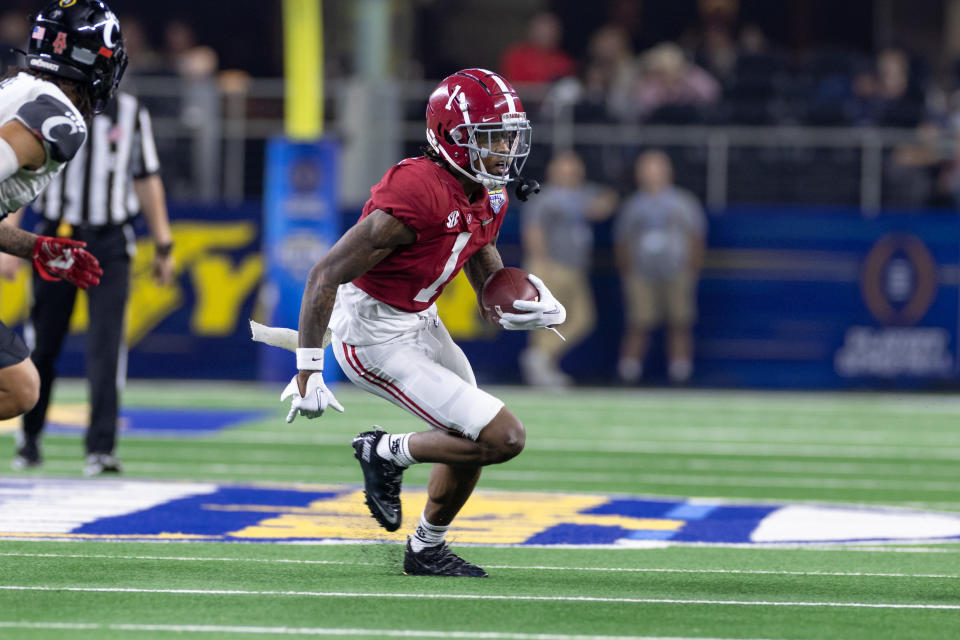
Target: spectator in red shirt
[539, 58]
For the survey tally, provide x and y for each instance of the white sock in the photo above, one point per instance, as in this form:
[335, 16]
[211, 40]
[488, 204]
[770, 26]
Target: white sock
[427, 535]
[396, 449]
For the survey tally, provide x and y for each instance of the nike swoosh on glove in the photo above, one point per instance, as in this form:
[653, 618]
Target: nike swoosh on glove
[66, 259]
[314, 402]
[547, 312]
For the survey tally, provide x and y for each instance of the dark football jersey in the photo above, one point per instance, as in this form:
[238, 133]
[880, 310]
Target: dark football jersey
[450, 230]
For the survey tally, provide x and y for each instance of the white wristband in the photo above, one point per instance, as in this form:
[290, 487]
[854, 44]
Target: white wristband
[309, 359]
[9, 164]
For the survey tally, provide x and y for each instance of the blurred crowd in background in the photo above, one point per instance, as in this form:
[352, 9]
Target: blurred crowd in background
[619, 62]
[611, 71]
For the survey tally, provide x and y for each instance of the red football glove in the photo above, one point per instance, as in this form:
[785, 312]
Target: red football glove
[63, 258]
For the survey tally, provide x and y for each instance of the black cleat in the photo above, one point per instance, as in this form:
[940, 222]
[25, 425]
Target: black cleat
[439, 561]
[381, 480]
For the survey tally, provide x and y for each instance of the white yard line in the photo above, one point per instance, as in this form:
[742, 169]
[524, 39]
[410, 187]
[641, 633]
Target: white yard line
[859, 574]
[734, 481]
[659, 479]
[191, 456]
[324, 631]
[203, 469]
[475, 597]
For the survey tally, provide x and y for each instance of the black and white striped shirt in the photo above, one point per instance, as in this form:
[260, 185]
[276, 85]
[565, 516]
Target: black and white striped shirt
[96, 188]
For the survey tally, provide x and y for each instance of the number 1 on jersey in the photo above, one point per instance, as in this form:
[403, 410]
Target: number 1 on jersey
[426, 293]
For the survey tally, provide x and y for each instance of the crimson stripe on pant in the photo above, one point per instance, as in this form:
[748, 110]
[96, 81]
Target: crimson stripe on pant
[350, 353]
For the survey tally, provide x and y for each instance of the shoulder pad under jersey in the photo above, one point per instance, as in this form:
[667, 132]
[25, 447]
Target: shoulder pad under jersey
[55, 123]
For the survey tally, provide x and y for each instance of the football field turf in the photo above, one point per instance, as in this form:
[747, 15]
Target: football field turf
[631, 514]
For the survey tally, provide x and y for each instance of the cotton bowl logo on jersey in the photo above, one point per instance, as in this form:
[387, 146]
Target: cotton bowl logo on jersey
[51, 508]
[497, 199]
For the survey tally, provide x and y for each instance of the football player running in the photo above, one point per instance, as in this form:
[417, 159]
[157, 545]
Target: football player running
[428, 218]
[74, 61]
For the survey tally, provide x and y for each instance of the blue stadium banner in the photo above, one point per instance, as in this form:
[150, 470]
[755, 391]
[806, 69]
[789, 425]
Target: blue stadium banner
[301, 222]
[818, 298]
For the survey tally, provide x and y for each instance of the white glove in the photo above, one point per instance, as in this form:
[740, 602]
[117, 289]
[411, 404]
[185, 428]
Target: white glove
[312, 405]
[542, 314]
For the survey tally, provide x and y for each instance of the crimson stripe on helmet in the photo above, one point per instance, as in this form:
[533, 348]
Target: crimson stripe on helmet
[507, 91]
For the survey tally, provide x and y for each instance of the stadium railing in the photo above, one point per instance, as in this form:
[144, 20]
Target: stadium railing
[216, 141]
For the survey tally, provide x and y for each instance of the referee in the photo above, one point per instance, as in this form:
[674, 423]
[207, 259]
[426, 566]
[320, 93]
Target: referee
[114, 174]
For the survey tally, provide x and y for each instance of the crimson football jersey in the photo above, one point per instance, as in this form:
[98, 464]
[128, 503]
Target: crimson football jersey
[430, 201]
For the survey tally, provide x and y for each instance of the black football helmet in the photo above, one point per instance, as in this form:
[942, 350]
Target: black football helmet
[79, 40]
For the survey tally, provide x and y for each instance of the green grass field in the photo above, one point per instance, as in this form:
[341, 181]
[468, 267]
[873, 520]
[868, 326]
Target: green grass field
[752, 448]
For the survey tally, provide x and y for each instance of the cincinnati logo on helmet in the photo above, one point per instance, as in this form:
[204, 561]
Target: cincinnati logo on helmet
[110, 31]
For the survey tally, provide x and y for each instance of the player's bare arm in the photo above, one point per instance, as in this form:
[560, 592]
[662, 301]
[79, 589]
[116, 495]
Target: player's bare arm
[16, 241]
[356, 252]
[27, 148]
[483, 263]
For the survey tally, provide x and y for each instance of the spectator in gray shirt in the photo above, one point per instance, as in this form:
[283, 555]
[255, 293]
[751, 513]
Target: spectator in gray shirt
[659, 244]
[558, 242]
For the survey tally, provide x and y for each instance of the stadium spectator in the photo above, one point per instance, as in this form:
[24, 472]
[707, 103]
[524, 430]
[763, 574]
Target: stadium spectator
[713, 41]
[717, 53]
[13, 34]
[913, 172]
[75, 59]
[888, 95]
[145, 60]
[557, 243]
[191, 162]
[668, 79]
[77, 206]
[609, 76]
[946, 187]
[659, 244]
[539, 58]
[753, 41]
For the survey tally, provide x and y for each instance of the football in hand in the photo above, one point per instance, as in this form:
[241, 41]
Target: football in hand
[502, 288]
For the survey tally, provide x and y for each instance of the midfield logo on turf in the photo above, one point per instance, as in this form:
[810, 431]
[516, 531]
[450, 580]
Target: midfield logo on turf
[51, 508]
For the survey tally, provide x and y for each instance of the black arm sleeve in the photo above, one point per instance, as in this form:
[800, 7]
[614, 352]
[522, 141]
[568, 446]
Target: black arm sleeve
[56, 124]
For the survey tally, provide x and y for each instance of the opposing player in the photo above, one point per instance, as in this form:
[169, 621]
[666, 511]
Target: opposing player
[75, 59]
[428, 218]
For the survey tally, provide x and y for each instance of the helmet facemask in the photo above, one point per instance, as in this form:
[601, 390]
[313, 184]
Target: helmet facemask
[507, 141]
